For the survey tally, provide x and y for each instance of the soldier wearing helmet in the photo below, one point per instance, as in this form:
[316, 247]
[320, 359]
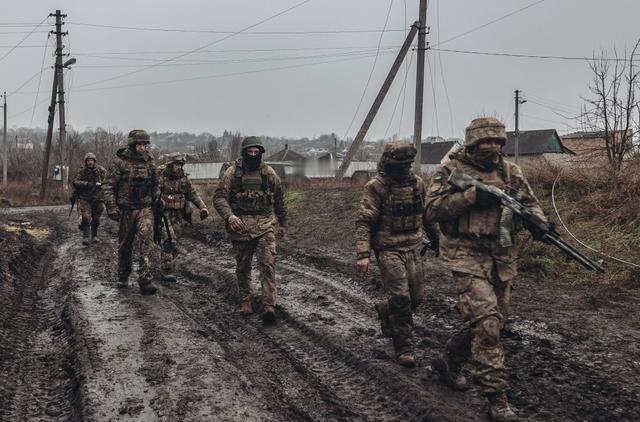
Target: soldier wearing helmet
[177, 194]
[250, 199]
[482, 269]
[88, 193]
[130, 193]
[391, 223]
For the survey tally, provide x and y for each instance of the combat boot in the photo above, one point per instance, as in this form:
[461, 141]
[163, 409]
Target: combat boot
[245, 308]
[407, 359]
[382, 308]
[86, 233]
[499, 409]
[169, 278]
[94, 234]
[449, 374]
[148, 289]
[123, 282]
[268, 315]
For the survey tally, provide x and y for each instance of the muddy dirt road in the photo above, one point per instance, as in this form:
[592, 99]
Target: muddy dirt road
[72, 347]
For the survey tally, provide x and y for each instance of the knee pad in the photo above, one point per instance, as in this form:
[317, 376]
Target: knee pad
[488, 331]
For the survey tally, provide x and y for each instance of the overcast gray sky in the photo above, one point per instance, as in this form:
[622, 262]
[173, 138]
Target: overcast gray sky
[295, 84]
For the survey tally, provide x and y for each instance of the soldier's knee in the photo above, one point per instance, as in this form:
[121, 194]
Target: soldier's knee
[399, 304]
[488, 331]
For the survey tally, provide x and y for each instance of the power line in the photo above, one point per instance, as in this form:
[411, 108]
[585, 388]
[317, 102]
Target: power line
[530, 56]
[434, 115]
[3, 47]
[211, 31]
[295, 6]
[35, 102]
[23, 40]
[23, 32]
[490, 22]
[402, 89]
[442, 77]
[375, 61]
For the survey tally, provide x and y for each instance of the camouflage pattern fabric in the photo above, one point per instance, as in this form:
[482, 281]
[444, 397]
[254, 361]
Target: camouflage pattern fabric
[136, 224]
[168, 255]
[131, 181]
[484, 128]
[264, 247]
[87, 176]
[90, 212]
[481, 303]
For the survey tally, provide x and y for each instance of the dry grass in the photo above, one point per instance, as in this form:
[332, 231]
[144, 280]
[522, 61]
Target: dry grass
[22, 194]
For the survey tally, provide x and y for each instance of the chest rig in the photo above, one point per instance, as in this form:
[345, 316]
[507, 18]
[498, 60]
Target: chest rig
[139, 178]
[402, 208]
[174, 191]
[250, 192]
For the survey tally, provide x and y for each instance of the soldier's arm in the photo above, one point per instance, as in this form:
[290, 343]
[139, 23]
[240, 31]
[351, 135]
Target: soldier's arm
[368, 215]
[430, 227]
[222, 194]
[155, 185]
[445, 202]
[193, 196]
[525, 193]
[78, 181]
[279, 207]
[112, 182]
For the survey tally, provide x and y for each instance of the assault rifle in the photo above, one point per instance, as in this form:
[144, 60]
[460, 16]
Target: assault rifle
[513, 207]
[159, 221]
[428, 244]
[73, 199]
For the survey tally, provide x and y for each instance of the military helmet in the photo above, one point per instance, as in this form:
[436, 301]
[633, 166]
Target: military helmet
[484, 128]
[252, 141]
[137, 136]
[90, 156]
[398, 152]
[175, 157]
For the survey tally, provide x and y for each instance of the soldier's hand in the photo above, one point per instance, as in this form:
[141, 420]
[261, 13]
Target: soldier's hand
[281, 232]
[204, 213]
[114, 214]
[362, 265]
[98, 184]
[236, 224]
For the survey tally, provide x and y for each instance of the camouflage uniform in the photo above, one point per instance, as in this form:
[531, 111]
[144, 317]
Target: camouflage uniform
[177, 195]
[470, 248]
[89, 198]
[391, 222]
[130, 192]
[256, 197]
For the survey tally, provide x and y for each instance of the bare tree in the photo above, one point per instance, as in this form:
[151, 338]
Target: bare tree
[613, 107]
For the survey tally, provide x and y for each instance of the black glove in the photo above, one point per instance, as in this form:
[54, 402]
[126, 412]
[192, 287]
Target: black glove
[204, 213]
[538, 233]
[486, 200]
[91, 185]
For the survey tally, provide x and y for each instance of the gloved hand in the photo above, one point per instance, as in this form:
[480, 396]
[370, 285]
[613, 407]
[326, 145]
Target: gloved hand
[536, 233]
[485, 200]
[236, 224]
[281, 232]
[114, 214]
[204, 213]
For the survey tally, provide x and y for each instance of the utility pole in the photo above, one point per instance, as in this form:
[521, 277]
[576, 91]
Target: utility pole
[5, 144]
[422, 47]
[517, 118]
[377, 102]
[52, 107]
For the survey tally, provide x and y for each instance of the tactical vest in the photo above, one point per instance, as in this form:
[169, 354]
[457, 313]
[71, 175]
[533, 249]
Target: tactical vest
[478, 222]
[174, 192]
[250, 192]
[139, 178]
[400, 221]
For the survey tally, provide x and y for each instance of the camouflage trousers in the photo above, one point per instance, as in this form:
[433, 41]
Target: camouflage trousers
[136, 224]
[483, 304]
[90, 212]
[170, 248]
[403, 283]
[264, 247]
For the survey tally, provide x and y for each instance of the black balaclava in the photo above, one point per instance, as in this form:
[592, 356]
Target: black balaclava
[398, 172]
[486, 159]
[251, 162]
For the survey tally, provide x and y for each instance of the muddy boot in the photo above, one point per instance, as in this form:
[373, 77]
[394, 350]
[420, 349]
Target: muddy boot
[245, 308]
[123, 282]
[169, 278]
[407, 359]
[94, 234]
[382, 308]
[269, 315]
[499, 410]
[86, 235]
[449, 374]
[148, 289]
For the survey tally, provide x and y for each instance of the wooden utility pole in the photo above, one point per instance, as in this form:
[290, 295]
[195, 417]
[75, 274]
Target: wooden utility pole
[5, 144]
[517, 129]
[422, 47]
[52, 107]
[377, 102]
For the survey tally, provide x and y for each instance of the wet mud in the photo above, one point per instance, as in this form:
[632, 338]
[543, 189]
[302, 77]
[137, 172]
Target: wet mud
[74, 347]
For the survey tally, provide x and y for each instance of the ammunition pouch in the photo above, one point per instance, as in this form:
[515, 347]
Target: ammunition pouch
[174, 201]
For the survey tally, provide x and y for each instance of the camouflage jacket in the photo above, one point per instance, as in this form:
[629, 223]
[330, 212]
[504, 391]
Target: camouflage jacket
[391, 216]
[177, 191]
[254, 196]
[470, 242]
[85, 180]
[131, 181]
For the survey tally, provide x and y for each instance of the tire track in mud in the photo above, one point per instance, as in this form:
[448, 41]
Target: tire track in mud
[341, 356]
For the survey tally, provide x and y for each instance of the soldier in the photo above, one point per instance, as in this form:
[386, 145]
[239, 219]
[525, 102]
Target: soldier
[88, 193]
[176, 193]
[482, 269]
[130, 193]
[391, 222]
[250, 199]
